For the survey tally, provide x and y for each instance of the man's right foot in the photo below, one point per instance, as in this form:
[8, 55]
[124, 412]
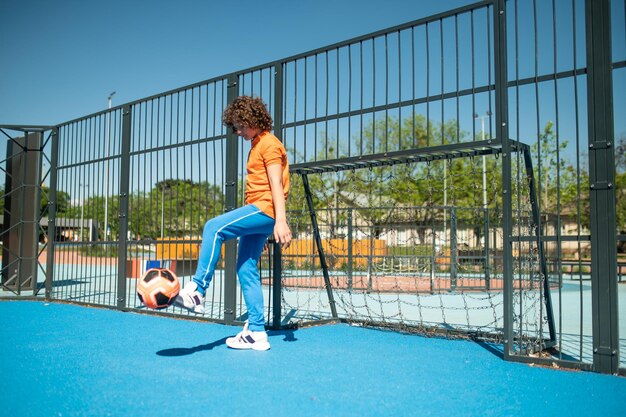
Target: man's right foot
[247, 339]
[190, 298]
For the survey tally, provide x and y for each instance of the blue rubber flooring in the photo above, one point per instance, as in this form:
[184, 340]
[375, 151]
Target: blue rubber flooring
[68, 360]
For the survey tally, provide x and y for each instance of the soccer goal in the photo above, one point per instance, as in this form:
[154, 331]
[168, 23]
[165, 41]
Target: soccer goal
[415, 240]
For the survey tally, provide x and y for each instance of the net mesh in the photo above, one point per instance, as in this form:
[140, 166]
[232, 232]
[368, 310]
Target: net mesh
[414, 246]
[530, 314]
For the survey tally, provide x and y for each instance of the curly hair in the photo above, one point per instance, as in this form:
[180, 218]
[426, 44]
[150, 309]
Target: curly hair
[246, 111]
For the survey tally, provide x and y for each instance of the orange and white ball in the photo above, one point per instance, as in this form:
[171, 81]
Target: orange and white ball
[157, 288]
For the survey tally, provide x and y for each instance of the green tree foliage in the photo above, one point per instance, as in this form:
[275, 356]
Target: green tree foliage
[563, 189]
[174, 208]
[382, 194]
[620, 187]
[180, 206]
[63, 201]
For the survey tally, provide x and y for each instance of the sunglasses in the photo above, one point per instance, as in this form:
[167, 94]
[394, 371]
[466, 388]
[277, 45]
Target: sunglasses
[236, 129]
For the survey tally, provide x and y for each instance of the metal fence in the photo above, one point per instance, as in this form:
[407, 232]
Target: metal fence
[433, 118]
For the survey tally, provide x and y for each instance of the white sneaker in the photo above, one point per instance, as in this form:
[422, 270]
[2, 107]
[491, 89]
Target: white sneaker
[247, 339]
[190, 298]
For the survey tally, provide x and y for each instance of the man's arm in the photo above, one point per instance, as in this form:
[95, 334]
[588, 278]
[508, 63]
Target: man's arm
[282, 234]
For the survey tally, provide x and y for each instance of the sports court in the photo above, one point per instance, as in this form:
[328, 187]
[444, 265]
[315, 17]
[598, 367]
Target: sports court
[458, 213]
[68, 360]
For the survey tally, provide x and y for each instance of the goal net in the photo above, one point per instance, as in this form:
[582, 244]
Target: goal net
[414, 243]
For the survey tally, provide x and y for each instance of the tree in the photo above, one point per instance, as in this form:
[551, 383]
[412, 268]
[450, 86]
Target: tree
[383, 194]
[551, 170]
[620, 188]
[63, 200]
[180, 206]
[416, 193]
[563, 188]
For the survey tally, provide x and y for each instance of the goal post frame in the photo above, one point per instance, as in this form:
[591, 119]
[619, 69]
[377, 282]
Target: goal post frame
[427, 154]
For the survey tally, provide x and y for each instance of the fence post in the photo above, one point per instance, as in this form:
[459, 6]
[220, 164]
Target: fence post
[21, 276]
[601, 181]
[37, 213]
[502, 135]
[277, 285]
[29, 215]
[122, 252]
[232, 173]
[277, 298]
[52, 211]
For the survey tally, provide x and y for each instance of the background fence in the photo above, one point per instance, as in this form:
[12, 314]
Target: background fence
[411, 140]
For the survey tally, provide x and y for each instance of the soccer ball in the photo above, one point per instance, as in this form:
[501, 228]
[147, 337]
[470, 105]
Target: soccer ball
[157, 288]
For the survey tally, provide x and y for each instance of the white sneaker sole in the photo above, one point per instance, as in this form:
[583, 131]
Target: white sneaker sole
[233, 343]
[179, 301]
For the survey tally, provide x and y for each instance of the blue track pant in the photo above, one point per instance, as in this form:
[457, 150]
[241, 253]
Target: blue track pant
[252, 227]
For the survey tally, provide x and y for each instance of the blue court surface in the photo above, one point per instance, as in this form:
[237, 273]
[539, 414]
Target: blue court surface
[68, 360]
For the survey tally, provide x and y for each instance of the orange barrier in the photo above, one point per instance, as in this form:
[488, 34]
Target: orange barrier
[179, 250]
[303, 251]
[299, 252]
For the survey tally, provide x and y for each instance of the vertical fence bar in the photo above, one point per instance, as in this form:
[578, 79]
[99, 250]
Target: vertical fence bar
[278, 132]
[32, 156]
[502, 134]
[37, 213]
[278, 100]
[277, 285]
[21, 229]
[232, 172]
[519, 260]
[487, 250]
[602, 194]
[559, 229]
[124, 212]
[350, 248]
[52, 210]
[578, 183]
[453, 248]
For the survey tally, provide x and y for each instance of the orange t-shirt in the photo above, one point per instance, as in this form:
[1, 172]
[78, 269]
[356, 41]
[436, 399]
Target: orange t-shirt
[266, 150]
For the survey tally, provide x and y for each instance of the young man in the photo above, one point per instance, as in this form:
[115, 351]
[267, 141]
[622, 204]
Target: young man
[267, 187]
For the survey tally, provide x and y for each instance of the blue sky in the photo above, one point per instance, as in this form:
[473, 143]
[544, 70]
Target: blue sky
[61, 59]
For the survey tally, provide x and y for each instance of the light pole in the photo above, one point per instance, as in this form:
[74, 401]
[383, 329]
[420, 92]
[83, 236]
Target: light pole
[482, 126]
[110, 97]
[106, 175]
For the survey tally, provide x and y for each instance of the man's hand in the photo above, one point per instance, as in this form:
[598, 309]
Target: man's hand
[282, 234]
